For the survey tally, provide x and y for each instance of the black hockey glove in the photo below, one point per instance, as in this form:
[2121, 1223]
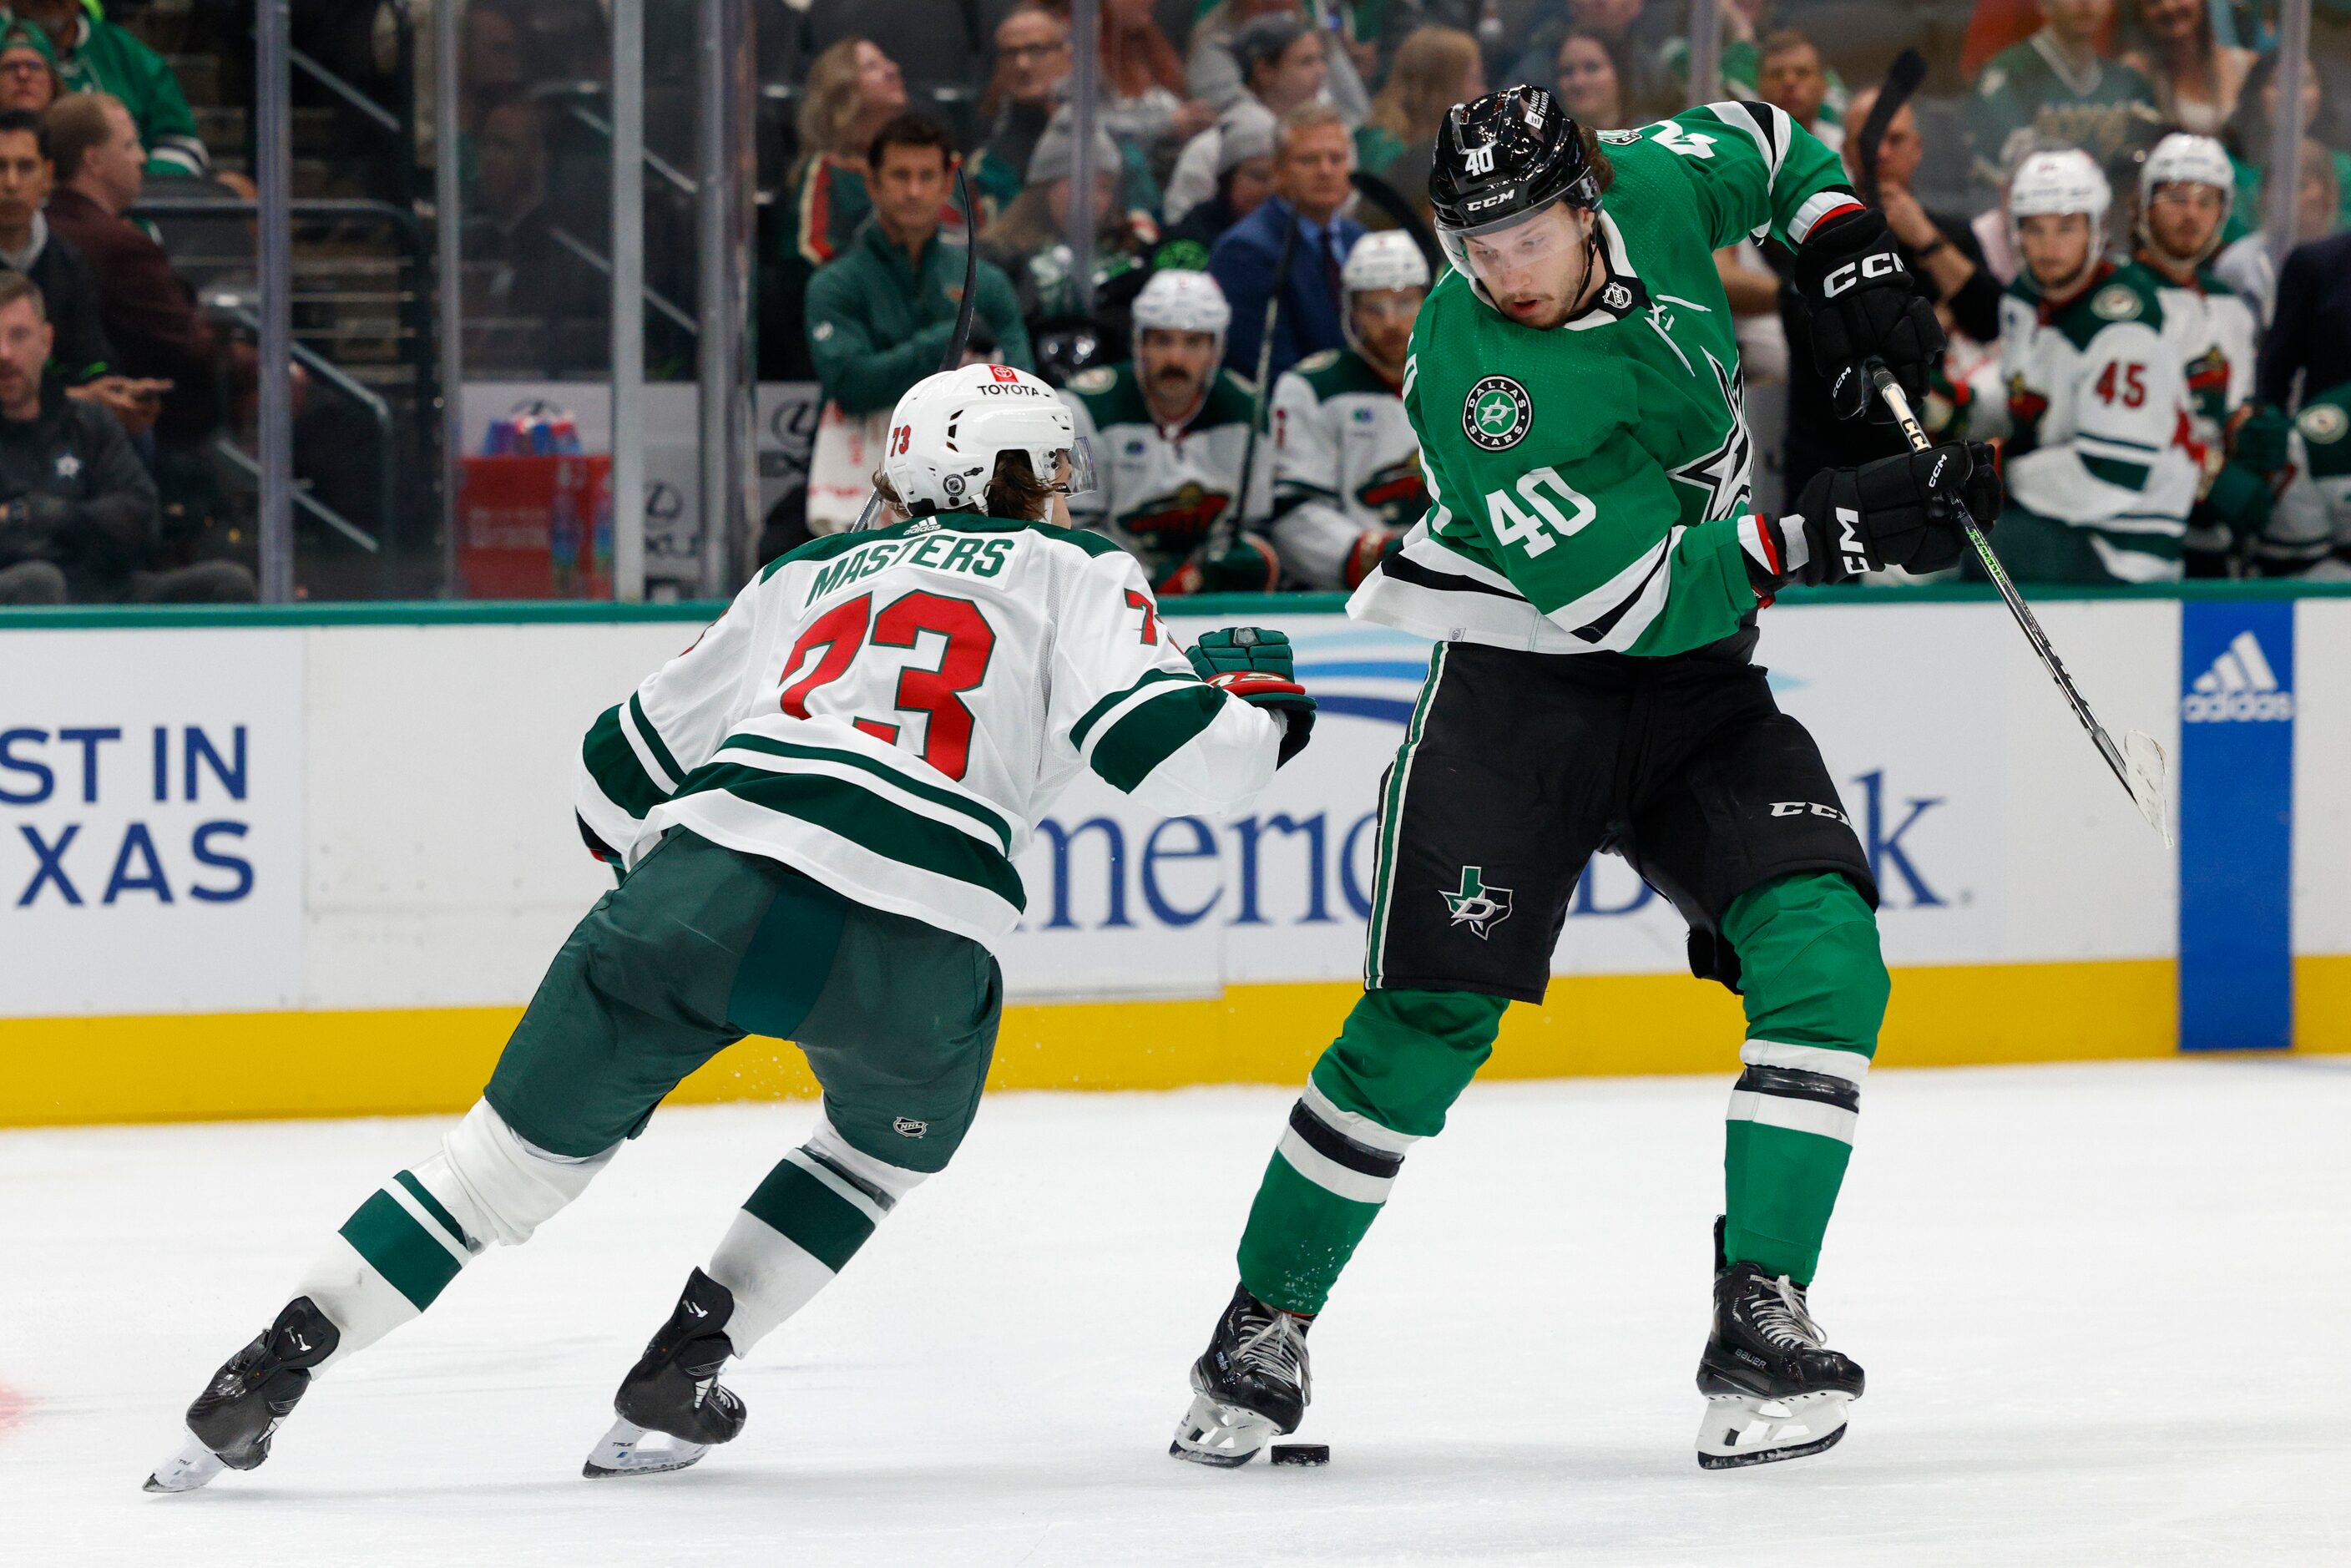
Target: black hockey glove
[1896, 511]
[1864, 303]
[1253, 663]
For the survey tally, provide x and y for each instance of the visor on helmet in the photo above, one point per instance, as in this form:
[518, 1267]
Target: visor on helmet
[1518, 241]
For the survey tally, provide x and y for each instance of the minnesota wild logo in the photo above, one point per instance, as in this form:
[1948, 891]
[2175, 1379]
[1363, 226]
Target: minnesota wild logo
[1497, 414]
[1477, 905]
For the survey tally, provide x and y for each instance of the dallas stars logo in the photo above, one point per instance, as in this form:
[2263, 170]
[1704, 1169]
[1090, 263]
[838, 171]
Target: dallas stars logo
[1726, 473]
[1477, 905]
[1497, 414]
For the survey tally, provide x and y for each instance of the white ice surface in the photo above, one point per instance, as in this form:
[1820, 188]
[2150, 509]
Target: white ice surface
[2103, 1309]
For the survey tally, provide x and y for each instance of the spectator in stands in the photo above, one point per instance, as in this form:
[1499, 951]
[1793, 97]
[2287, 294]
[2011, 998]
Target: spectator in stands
[68, 294]
[1744, 26]
[1590, 76]
[2196, 79]
[93, 55]
[1283, 66]
[1032, 62]
[1643, 90]
[937, 43]
[1435, 68]
[1244, 180]
[853, 90]
[880, 314]
[2244, 264]
[2247, 137]
[1789, 75]
[28, 71]
[1143, 100]
[1218, 69]
[1028, 240]
[1313, 155]
[77, 511]
[149, 315]
[1942, 252]
[511, 236]
[2055, 89]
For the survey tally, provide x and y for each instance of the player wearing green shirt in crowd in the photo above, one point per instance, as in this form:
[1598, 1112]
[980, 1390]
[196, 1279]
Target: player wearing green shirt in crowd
[1590, 568]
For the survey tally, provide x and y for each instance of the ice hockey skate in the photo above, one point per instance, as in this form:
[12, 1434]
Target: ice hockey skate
[673, 1392]
[1773, 1390]
[231, 1421]
[1251, 1384]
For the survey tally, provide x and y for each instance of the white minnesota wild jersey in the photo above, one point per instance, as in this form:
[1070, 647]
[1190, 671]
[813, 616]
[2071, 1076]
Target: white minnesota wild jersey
[1159, 489]
[2211, 330]
[1345, 464]
[2311, 528]
[891, 712]
[2097, 404]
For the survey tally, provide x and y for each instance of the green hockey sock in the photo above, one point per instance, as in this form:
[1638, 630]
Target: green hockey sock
[1815, 990]
[1399, 1062]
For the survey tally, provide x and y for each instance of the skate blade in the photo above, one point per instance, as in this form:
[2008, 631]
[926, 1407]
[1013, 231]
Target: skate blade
[624, 1452]
[1224, 1436]
[192, 1466]
[1739, 1430]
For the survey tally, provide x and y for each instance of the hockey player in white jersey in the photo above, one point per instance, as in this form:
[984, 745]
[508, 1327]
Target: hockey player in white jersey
[1169, 431]
[2185, 188]
[817, 808]
[1346, 468]
[2309, 534]
[2100, 465]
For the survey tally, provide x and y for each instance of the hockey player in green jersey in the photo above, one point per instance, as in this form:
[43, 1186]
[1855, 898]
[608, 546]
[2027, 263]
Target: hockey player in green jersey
[2101, 464]
[818, 806]
[1346, 462]
[1592, 567]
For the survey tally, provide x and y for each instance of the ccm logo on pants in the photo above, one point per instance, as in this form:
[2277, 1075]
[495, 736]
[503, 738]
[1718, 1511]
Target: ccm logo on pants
[1807, 808]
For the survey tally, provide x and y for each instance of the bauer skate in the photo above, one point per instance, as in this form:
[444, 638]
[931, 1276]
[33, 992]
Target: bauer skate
[1774, 1390]
[1251, 1386]
[231, 1421]
[673, 1391]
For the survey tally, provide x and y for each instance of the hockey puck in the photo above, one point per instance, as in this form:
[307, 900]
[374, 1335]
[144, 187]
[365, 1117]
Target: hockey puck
[1301, 1453]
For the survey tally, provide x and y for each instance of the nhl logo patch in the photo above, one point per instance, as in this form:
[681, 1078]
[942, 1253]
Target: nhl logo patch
[2323, 422]
[2115, 302]
[907, 1127]
[1497, 414]
[1616, 297]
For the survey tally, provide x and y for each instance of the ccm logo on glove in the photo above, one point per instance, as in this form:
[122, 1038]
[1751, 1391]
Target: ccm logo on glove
[1883, 265]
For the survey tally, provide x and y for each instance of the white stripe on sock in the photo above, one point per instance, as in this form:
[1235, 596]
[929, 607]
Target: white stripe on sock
[1355, 1125]
[1849, 1065]
[1329, 1174]
[433, 1228]
[1795, 1115]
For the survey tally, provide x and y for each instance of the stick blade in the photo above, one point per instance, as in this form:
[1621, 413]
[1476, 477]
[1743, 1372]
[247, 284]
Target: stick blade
[2149, 779]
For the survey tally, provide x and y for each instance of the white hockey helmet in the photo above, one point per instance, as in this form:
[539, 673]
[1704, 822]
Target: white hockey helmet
[1179, 301]
[2049, 185]
[2181, 159]
[947, 431]
[1387, 259]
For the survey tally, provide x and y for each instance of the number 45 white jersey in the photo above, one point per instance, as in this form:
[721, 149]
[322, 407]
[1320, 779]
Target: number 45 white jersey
[892, 712]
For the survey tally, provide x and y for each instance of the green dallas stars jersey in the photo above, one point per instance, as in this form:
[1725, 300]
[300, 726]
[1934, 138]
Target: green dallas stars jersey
[1587, 483]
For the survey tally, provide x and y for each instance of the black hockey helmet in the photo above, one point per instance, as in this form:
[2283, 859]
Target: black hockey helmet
[1505, 157]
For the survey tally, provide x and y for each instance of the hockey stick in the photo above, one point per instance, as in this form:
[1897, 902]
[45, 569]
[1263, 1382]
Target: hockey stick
[2138, 763]
[1228, 525]
[1902, 80]
[1391, 200]
[953, 362]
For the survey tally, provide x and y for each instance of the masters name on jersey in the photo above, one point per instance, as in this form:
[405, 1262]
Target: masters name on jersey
[945, 551]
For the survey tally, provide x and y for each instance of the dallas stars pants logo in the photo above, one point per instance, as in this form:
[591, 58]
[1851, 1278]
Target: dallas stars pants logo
[1477, 905]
